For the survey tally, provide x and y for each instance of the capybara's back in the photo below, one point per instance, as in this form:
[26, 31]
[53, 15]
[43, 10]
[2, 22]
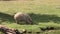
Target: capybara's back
[22, 17]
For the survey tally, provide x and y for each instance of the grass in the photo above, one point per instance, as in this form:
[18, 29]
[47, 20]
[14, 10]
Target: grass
[43, 12]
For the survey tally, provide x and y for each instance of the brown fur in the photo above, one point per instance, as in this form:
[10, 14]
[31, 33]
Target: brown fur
[7, 30]
[22, 17]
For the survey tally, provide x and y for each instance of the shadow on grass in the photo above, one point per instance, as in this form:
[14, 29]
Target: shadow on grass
[35, 17]
[6, 17]
[44, 18]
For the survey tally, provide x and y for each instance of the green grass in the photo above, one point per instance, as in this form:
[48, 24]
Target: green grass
[43, 12]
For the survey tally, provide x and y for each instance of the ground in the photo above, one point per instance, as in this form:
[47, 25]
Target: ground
[43, 13]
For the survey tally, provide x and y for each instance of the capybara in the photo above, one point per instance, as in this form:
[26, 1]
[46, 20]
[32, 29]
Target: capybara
[22, 17]
[7, 30]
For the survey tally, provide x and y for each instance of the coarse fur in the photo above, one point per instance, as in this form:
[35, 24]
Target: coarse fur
[7, 30]
[22, 17]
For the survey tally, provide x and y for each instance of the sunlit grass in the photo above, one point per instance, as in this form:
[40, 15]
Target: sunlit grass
[45, 13]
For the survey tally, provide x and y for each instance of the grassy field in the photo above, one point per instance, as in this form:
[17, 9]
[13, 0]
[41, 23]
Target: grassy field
[43, 13]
